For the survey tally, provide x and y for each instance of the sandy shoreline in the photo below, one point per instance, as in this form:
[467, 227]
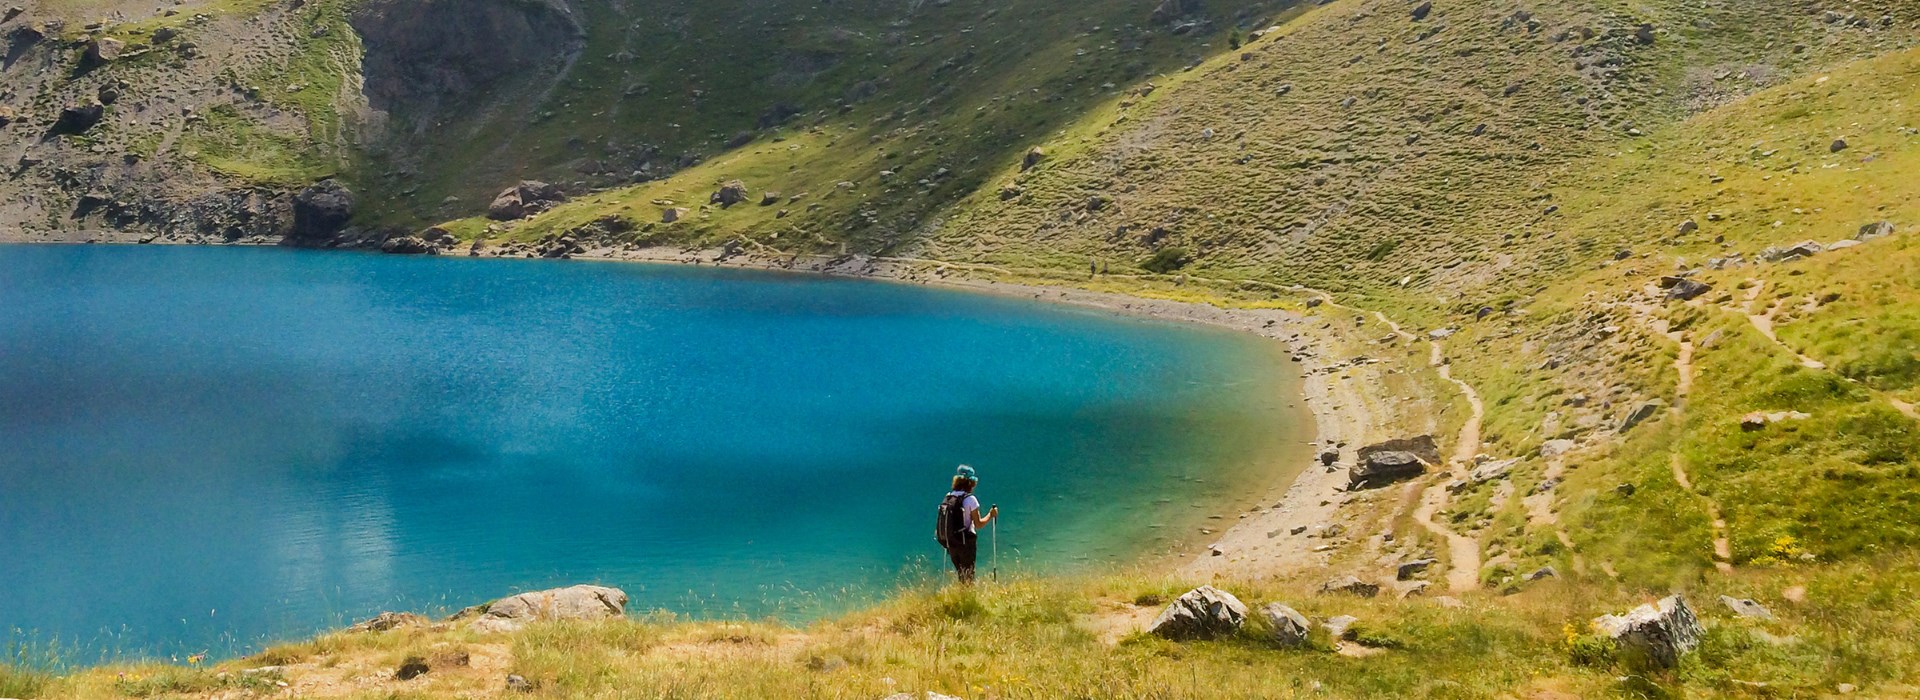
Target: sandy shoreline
[1286, 534]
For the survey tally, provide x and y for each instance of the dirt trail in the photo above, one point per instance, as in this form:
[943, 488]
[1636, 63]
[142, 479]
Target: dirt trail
[1683, 365]
[1763, 322]
[1463, 552]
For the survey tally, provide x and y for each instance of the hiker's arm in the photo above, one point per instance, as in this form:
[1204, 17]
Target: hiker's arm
[981, 520]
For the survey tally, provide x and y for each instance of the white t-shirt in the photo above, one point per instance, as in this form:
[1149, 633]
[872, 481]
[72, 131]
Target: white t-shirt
[969, 506]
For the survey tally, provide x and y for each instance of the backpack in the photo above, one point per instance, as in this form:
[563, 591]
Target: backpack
[950, 523]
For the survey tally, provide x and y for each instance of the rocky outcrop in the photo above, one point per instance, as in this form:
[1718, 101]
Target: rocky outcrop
[429, 60]
[572, 603]
[1288, 627]
[321, 211]
[526, 199]
[1654, 635]
[1202, 613]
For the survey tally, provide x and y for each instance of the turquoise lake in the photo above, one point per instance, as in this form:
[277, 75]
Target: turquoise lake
[209, 449]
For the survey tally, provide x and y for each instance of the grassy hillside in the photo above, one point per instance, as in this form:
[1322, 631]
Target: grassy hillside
[1530, 182]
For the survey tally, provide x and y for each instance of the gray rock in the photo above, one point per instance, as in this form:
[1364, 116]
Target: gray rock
[1878, 229]
[1640, 414]
[79, 118]
[103, 50]
[1421, 11]
[526, 199]
[572, 603]
[1683, 289]
[1350, 585]
[1290, 628]
[1803, 249]
[1420, 445]
[1340, 627]
[729, 194]
[1202, 613]
[1657, 635]
[1382, 468]
[1838, 145]
[1544, 572]
[1555, 448]
[1407, 571]
[673, 214]
[518, 683]
[1688, 226]
[1492, 471]
[1329, 457]
[1746, 608]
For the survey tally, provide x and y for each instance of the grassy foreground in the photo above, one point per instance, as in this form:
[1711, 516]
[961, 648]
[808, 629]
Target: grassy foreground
[1856, 626]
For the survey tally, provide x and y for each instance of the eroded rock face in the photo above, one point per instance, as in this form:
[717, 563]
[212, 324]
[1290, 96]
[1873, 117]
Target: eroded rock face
[321, 210]
[571, 603]
[1202, 613]
[1657, 634]
[427, 59]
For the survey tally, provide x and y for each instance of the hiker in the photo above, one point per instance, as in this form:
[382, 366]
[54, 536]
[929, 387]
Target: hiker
[959, 524]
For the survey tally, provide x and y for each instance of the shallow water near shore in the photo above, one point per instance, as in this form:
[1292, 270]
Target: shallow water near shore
[207, 449]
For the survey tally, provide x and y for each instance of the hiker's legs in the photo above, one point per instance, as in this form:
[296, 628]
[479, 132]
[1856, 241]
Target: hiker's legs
[963, 550]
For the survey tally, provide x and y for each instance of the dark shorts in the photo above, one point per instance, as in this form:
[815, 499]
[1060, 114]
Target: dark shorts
[962, 550]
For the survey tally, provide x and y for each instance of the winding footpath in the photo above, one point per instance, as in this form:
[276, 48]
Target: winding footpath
[1463, 552]
[1763, 322]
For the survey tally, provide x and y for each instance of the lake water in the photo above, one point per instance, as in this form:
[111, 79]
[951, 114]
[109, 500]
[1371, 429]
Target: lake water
[212, 448]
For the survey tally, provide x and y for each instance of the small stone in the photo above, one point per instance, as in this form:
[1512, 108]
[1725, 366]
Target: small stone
[1838, 145]
[1421, 11]
[1341, 626]
[1746, 608]
[1544, 572]
[518, 683]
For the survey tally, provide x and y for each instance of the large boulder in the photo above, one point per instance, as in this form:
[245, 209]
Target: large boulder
[572, 603]
[321, 210]
[1655, 635]
[1202, 613]
[526, 199]
[1381, 468]
[1290, 628]
[729, 194]
[103, 50]
[80, 117]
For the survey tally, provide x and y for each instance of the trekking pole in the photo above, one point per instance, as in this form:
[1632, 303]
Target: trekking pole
[993, 533]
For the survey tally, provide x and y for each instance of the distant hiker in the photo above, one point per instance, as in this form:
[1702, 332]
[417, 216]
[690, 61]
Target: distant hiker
[959, 523]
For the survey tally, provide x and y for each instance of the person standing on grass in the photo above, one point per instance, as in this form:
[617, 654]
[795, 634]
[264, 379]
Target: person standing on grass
[959, 523]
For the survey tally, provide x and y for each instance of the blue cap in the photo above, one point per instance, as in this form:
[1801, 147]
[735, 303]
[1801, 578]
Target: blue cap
[967, 473]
